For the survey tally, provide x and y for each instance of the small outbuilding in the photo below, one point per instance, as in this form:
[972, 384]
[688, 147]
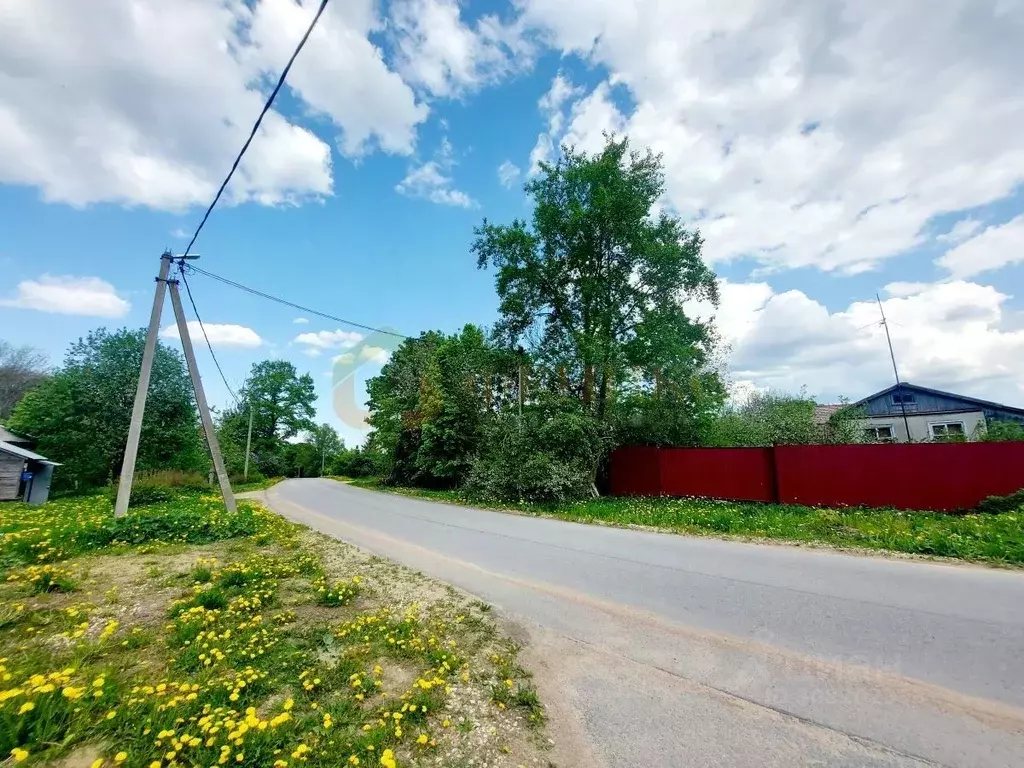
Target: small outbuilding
[24, 475]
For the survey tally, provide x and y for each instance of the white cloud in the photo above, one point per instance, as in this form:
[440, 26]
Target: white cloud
[368, 354]
[322, 340]
[807, 134]
[438, 51]
[508, 174]
[958, 335]
[552, 106]
[962, 230]
[994, 248]
[143, 102]
[374, 354]
[300, 321]
[340, 73]
[66, 295]
[432, 181]
[179, 234]
[226, 335]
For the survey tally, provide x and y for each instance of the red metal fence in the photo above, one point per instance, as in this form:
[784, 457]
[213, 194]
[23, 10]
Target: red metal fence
[938, 476]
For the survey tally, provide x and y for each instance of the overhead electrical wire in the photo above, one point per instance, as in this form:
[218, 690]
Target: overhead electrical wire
[256, 125]
[234, 166]
[292, 304]
[209, 346]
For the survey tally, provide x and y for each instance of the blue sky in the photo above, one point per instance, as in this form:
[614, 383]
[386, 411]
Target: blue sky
[826, 150]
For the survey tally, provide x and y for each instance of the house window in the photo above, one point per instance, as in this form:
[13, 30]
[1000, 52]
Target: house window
[904, 398]
[947, 430]
[879, 434]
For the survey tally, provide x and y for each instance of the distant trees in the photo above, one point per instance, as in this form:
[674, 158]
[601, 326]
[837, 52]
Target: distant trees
[282, 405]
[21, 369]
[79, 415]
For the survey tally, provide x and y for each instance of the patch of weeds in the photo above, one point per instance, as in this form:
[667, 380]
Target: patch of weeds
[45, 578]
[337, 594]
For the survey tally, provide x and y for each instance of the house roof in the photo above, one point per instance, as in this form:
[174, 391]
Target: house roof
[822, 413]
[914, 387]
[25, 454]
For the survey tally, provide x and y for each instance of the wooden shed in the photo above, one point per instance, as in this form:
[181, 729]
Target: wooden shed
[24, 475]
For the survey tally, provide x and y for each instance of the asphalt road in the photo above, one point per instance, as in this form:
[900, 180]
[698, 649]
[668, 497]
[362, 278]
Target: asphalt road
[663, 650]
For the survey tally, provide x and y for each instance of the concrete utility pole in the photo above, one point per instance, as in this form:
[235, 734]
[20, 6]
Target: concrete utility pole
[131, 450]
[896, 373]
[204, 411]
[248, 444]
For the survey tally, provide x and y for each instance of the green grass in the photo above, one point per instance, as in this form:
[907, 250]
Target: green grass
[990, 538]
[252, 643]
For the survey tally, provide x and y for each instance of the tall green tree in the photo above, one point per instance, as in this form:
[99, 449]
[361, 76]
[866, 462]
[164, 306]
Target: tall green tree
[79, 416]
[282, 406]
[594, 288]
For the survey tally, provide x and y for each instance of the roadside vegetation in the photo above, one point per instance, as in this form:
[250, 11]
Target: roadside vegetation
[995, 537]
[184, 635]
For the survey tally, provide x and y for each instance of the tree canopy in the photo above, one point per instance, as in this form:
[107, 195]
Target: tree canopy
[595, 287]
[79, 416]
[282, 403]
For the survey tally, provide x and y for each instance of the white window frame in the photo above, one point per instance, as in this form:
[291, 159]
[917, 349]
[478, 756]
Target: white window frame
[875, 427]
[933, 424]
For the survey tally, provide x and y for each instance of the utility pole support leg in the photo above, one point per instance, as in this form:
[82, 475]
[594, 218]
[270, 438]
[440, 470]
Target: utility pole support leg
[131, 450]
[204, 411]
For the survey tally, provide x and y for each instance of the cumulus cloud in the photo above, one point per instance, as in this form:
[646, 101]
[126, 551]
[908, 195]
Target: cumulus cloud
[806, 134]
[300, 321]
[957, 335]
[441, 53]
[996, 247]
[508, 174]
[224, 335]
[140, 102]
[317, 341]
[552, 107]
[367, 354]
[432, 181]
[68, 295]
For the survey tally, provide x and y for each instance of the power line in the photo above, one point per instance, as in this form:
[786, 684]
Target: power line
[292, 304]
[202, 327]
[256, 125]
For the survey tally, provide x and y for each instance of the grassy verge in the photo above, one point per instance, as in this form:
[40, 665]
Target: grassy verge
[255, 485]
[989, 538]
[181, 635]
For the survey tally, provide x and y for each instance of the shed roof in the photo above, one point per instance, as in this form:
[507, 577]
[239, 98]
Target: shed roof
[7, 436]
[25, 454]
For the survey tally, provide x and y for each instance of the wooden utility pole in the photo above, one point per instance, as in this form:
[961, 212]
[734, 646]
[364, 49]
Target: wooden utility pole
[131, 450]
[204, 411]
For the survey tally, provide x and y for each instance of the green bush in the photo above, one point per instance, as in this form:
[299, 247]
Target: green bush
[551, 453]
[996, 504]
[161, 486]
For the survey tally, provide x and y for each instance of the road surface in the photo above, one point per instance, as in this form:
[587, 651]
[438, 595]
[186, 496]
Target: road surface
[660, 650]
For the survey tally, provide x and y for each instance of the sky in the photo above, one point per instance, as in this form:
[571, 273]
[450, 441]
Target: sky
[827, 150]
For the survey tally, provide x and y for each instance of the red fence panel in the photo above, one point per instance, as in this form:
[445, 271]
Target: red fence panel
[635, 471]
[937, 476]
[746, 474]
